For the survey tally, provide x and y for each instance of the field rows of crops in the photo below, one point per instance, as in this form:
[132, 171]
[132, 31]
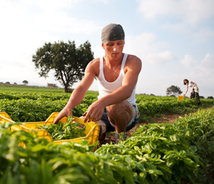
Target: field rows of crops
[37, 106]
[156, 153]
[182, 152]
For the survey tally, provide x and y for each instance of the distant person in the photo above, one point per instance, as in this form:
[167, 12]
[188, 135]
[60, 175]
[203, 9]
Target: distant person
[194, 90]
[117, 74]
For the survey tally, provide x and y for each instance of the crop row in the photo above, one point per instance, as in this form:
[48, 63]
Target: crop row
[37, 106]
[156, 153]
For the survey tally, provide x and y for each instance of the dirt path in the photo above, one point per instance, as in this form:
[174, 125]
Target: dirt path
[166, 118]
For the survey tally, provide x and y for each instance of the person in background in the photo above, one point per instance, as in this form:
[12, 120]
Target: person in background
[194, 90]
[117, 75]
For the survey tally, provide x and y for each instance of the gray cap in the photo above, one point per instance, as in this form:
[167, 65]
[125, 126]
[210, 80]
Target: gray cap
[112, 32]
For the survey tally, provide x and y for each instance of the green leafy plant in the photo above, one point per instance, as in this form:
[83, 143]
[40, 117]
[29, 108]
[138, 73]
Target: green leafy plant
[60, 131]
[45, 162]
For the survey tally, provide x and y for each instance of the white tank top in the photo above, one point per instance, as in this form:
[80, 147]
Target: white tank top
[193, 87]
[106, 88]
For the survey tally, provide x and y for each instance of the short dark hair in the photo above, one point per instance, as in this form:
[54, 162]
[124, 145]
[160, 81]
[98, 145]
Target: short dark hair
[186, 81]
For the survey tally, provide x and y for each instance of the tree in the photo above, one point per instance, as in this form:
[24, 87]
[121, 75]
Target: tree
[174, 90]
[67, 61]
[210, 97]
[25, 82]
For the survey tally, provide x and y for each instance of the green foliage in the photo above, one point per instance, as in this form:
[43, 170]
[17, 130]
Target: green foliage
[25, 82]
[44, 162]
[152, 106]
[60, 131]
[169, 153]
[156, 153]
[201, 135]
[67, 61]
[174, 90]
[36, 104]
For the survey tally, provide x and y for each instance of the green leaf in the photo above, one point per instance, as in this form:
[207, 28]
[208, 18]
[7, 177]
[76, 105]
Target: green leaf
[140, 166]
[38, 148]
[154, 171]
[190, 162]
[164, 168]
[171, 162]
[174, 138]
[142, 176]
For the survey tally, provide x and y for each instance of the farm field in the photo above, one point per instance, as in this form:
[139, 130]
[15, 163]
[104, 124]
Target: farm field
[181, 152]
[25, 103]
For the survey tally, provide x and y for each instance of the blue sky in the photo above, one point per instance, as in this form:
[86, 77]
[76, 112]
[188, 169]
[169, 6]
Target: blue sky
[173, 38]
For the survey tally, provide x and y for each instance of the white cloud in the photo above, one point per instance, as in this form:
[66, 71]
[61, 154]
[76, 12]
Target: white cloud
[28, 31]
[140, 44]
[189, 11]
[148, 49]
[202, 71]
[153, 8]
[180, 27]
[47, 16]
[103, 1]
[27, 25]
[161, 57]
[204, 34]
[199, 35]
[208, 62]
[58, 22]
[188, 62]
[53, 5]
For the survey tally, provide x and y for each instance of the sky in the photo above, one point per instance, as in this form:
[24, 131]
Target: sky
[173, 38]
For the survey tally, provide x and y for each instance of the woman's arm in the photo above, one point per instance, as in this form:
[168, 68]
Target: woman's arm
[186, 90]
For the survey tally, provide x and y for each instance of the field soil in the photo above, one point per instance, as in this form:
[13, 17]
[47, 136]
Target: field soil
[166, 118]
